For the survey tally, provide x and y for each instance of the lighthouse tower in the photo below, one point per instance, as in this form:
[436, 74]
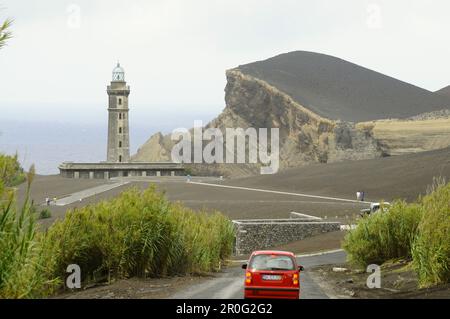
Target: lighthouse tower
[118, 162]
[118, 125]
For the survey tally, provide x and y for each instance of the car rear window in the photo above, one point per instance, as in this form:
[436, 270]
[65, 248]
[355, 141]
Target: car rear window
[272, 262]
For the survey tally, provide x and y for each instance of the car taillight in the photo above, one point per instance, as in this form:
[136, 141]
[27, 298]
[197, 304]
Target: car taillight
[295, 279]
[248, 277]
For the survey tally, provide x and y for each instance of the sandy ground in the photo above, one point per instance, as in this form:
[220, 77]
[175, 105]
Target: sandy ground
[55, 186]
[236, 204]
[240, 204]
[158, 288]
[405, 176]
[388, 178]
[398, 281]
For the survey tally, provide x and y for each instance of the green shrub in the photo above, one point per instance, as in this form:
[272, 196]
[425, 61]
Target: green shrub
[11, 174]
[384, 236]
[420, 231]
[45, 213]
[136, 234]
[431, 249]
[140, 234]
[23, 260]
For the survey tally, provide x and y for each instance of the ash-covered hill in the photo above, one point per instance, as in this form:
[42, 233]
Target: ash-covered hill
[444, 92]
[327, 110]
[340, 90]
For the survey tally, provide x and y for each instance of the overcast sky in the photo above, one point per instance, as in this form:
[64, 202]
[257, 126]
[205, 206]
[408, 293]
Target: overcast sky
[175, 52]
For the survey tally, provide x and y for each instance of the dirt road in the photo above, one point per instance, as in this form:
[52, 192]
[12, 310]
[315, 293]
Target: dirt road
[229, 284]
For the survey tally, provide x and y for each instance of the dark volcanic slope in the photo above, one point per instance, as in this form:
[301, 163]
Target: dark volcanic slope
[387, 178]
[337, 89]
[444, 92]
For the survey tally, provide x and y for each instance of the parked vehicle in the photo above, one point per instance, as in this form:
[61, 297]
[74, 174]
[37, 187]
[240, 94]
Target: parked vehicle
[374, 208]
[272, 274]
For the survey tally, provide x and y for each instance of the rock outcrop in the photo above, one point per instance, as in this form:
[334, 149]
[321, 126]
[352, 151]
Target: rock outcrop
[284, 93]
[156, 149]
[305, 137]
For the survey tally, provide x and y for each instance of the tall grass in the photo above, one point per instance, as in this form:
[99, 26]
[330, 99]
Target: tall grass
[23, 271]
[418, 231]
[384, 236]
[11, 174]
[431, 249]
[140, 234]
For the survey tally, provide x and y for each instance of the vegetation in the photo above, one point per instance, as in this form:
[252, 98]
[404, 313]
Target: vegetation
[138, 234]
[419, 232]
[384, 236]
[44, 214]
[11, 173]
[23, 270]
[5, 33]
[431, 249]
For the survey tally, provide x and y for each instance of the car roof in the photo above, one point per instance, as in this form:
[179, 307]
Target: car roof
[272, 252]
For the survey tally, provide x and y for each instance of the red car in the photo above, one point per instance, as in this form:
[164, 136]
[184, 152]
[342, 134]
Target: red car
[272, 274]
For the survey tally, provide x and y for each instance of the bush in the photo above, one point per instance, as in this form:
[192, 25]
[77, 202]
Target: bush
[384, 236]
[136, 234]
[419, 231]
[44, 214]
[23, 259]
[11, 174]
[431, 250]
[140, 234]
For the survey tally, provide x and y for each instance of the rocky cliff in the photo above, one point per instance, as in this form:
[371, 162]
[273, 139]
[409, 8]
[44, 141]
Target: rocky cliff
[319, 103]
[305, 137]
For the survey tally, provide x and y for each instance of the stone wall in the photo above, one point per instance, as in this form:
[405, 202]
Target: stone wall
[254, 235]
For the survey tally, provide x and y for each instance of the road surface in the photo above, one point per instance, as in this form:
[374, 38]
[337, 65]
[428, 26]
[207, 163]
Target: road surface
[75, 197]
[117, 182]
[229, 283]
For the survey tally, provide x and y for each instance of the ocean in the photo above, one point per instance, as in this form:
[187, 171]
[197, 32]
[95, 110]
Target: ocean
[48, 144]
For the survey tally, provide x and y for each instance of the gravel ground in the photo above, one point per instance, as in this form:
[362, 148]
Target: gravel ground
[236, 204]
[398, 281]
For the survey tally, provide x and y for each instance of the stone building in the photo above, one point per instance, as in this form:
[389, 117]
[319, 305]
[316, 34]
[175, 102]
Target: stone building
[118, 162]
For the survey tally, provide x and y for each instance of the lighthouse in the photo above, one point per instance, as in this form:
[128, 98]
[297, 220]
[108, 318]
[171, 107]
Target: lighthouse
[118, 162]
[118, 120]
